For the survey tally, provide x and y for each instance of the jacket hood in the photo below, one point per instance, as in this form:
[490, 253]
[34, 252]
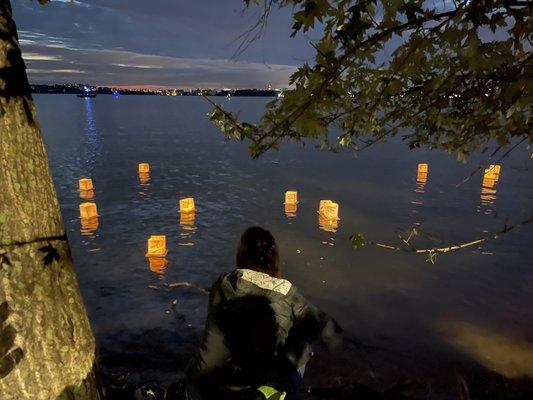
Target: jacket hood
[245, 282]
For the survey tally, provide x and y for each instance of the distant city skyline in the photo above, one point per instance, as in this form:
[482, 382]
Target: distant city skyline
[156, 44]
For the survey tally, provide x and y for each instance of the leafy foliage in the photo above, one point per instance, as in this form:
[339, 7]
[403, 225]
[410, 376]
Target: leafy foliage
[449, 75]
[50, 254]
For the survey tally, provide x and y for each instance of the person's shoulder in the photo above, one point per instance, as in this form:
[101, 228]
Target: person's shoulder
[265, 281]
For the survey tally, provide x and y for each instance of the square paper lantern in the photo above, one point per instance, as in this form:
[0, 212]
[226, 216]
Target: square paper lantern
[85, 184]
[187, 205]
[88, 210]
[291, 197]
[157, 246]
[423, 168]
[329, 210]
[493, 172]
[144, 168]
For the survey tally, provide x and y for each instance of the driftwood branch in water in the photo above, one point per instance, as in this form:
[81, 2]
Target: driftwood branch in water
[452, 247]
[187, 284]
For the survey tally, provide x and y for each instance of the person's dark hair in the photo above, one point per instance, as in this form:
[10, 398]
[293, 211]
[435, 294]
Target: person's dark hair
[257, 250]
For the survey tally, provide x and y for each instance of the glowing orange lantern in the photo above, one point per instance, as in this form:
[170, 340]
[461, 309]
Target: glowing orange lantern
[88, 210]
[423, 167]
[87, 194]
[187, 205]
[144, 177]
[329, 210]
[493, 172]
[157, 246]
[144, 168]
[291, 197]
[85, 184]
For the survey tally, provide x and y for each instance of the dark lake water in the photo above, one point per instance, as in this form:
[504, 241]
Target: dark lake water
[462, 306]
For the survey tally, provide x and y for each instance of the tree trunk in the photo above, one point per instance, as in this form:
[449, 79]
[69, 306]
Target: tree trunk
[47, 350]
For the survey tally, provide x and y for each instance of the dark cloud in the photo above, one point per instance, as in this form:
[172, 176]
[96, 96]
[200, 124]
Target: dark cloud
[157, 42]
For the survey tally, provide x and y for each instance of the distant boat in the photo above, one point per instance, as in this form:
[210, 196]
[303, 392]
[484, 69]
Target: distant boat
[228, 96]
[87, 95]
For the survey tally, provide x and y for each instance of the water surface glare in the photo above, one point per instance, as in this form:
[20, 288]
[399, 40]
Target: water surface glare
[395, 300]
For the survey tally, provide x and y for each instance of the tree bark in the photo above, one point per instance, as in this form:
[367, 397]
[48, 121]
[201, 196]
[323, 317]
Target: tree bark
[47, 349]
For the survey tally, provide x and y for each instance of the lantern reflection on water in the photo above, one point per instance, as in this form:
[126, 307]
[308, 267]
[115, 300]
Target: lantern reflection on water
[157, 246]
[158, 265]
[144, 177]
[87, 194]
[85, 184]
[187, 219]
[328, 225]
[144, 168]
[188, 228]
[290, 210]
[187, 205]
[89, 226]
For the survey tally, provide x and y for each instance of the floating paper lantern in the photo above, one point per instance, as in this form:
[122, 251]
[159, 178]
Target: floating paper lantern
[423, 167]
[157, 246]
[291, 197]
[88, 210]
[144, 168]
[493, 172]
[85, 184]
[87, 194]
[329, 210]
[187, 205]
[144, 177]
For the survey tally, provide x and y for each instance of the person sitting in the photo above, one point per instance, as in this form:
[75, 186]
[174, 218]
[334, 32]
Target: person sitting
[259, 330]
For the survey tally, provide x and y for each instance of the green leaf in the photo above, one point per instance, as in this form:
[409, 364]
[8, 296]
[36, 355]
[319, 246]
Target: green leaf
[357, 240]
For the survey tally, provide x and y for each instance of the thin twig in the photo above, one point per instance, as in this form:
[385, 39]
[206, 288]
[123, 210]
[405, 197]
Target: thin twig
[187, 284]
[453, 247]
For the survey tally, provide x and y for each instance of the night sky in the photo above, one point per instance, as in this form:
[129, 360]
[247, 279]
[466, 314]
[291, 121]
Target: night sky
[157, 43]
